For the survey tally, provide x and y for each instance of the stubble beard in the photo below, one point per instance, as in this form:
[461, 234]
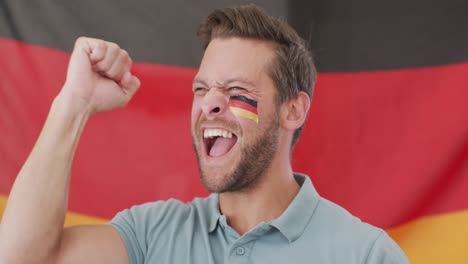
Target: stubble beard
[255, 159]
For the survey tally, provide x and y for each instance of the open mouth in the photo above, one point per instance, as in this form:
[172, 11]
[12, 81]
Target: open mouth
[218, 142]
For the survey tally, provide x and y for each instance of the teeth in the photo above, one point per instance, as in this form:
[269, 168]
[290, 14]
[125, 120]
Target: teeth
[210, 133]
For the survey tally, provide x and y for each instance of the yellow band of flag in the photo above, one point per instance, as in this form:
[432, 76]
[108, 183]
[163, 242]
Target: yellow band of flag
[71, 219]
[244, 113]
[434, 239]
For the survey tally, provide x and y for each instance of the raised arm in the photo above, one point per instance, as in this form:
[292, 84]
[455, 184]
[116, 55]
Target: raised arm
[31, 230]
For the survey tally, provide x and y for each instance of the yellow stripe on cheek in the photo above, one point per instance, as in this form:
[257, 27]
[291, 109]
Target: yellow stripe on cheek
[244, 113]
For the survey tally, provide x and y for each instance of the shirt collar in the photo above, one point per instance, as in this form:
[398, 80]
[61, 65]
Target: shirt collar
[293, 221]
[214, 213]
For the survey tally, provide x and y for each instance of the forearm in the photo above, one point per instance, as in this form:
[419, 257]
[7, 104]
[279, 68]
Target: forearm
[33, 219]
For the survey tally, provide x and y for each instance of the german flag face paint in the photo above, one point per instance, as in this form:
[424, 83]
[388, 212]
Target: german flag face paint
[245, 107]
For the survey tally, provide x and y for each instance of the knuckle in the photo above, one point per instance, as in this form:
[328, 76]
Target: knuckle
[101, 44]
[113, 47]
[80, 41]
[127, 60]
[126, 57]
[137, 83]
[123, 57]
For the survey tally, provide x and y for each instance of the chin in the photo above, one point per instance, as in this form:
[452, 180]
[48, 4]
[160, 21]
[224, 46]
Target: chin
[215, 182]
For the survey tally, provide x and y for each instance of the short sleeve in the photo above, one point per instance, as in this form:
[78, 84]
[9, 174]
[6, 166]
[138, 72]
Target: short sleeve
[126, 223]
[386, 251]
[142, 226]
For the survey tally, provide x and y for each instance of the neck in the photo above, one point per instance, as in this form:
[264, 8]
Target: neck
[264, 202]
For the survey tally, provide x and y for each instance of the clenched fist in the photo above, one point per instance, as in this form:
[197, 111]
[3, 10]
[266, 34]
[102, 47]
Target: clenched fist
[98, 76]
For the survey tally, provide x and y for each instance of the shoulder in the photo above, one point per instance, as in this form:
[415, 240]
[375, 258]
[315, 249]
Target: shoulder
[155, 213]
[384, 250]
[161, 216]
[338, 221]
[339, 231]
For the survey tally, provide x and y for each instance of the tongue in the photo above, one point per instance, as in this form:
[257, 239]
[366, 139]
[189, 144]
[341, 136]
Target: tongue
[221, 146]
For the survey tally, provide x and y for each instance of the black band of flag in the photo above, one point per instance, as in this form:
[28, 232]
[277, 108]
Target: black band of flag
[244, 99]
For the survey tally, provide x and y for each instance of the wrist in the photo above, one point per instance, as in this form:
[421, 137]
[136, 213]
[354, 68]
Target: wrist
[71, 108]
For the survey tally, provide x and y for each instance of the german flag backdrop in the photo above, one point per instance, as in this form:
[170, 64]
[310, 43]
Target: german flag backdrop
[387, 136]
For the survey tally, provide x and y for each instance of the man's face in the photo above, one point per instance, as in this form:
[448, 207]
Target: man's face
[234, 151]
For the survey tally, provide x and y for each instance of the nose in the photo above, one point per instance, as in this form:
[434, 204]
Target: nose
[214, 103]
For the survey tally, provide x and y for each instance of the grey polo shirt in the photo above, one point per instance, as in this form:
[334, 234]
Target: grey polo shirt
[311, 230]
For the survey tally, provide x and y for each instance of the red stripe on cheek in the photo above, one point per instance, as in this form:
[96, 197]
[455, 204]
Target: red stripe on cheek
[242, 105]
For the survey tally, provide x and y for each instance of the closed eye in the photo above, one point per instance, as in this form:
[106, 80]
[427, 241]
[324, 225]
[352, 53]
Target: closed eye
[199, 90]
[236, 88]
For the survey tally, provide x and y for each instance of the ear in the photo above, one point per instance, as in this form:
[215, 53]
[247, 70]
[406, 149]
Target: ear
[294, 111]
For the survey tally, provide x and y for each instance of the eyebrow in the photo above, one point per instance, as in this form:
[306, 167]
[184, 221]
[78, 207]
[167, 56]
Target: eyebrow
[197, 80]
[243, 81]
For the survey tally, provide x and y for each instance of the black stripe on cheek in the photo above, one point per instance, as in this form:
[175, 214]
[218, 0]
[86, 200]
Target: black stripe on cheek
[244, 99]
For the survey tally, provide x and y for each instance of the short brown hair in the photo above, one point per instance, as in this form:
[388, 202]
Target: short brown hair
[293, 69]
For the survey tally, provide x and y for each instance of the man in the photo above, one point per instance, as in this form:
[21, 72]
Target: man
[251, 98]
